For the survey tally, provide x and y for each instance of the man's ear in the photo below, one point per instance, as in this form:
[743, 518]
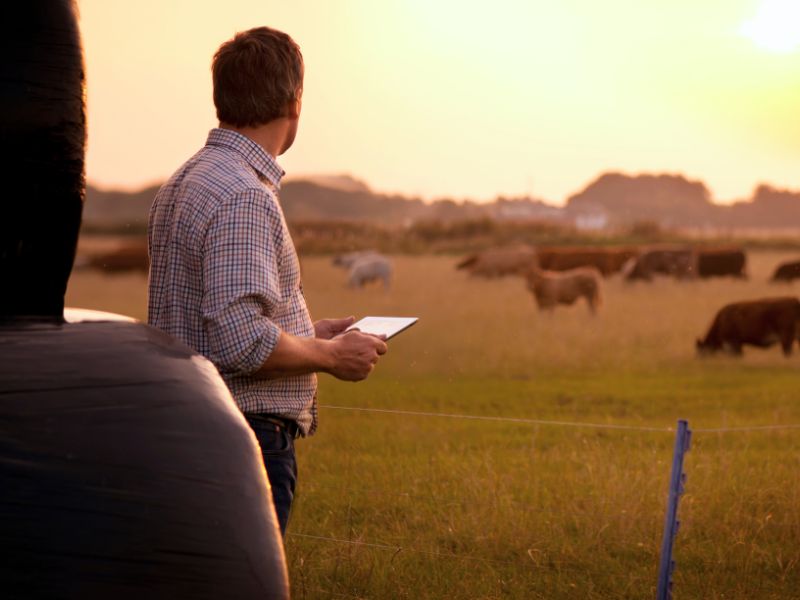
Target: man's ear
[294, 108]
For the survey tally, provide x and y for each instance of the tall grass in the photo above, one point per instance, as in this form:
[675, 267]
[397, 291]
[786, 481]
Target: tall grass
[406, 506]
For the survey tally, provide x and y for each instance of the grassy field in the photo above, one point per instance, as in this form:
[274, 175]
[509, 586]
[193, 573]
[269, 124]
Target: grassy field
[403, 506]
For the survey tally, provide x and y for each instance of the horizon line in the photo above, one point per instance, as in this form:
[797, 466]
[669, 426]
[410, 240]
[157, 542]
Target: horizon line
[138, 188]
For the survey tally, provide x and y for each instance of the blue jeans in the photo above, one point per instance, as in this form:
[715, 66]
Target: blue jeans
[277, 448]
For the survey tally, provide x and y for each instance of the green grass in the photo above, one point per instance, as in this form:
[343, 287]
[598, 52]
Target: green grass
[542, 511]
[436, 507]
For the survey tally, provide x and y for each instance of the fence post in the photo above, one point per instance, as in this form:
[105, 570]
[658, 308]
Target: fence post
[676, 482]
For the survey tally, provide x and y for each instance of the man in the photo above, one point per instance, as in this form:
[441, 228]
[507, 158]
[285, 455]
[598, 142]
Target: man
[224, 274]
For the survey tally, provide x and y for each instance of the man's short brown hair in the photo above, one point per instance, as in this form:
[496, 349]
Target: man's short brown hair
[256, 76]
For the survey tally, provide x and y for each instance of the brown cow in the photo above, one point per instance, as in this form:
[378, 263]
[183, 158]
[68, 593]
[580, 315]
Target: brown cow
[132, 256]
[720, 262]
[606, 260]
[759, 323]
[551, 288]
[675, 261]
[497, 262]
[787, 271]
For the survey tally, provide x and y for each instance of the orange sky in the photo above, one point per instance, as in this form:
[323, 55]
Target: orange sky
[467, 99]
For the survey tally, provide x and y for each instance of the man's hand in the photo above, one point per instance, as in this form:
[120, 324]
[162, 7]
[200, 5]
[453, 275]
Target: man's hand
[355, 355]
[350, 356]
[325, 329]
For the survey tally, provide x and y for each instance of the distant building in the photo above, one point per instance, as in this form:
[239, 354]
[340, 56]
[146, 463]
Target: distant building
[526, 210]
[590, 217]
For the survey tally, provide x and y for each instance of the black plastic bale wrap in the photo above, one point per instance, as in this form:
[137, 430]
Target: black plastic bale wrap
[126, 469]
[43, 134]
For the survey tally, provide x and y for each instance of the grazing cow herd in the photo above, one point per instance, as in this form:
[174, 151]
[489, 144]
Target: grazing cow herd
[564, 276]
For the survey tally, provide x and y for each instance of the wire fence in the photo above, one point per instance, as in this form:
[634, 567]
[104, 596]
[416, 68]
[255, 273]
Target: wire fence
[528, 421]
[399, 549]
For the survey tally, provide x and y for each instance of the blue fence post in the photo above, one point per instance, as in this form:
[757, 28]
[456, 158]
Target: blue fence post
[676, 482]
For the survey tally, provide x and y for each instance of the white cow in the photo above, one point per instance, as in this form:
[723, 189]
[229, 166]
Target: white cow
[346, 260]
[370, 267]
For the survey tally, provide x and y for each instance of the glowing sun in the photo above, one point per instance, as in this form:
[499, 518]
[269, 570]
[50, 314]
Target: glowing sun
[776, 26]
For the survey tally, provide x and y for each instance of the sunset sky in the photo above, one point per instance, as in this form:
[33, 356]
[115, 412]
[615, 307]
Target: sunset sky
[461, 99]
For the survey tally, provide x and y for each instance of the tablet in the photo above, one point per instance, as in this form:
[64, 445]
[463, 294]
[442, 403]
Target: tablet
[388, 326]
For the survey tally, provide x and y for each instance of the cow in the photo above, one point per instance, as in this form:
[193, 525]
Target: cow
[131, 256]
[679, 262]
[759, 323]
[551, 288]
[606, 260]
[721, 262]
[347, 259]
[370, 267]
[498, 262]
[787, 272]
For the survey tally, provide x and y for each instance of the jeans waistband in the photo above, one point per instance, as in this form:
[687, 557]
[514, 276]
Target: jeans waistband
[291, 427]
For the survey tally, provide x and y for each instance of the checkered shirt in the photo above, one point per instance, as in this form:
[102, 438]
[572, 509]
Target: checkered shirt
[224, 273]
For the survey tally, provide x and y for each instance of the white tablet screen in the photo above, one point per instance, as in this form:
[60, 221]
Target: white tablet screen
[388, 326]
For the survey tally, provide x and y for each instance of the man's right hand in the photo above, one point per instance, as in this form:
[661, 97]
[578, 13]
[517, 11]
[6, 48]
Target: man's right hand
[355, 355]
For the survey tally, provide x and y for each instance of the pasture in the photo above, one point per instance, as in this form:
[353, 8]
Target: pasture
[420, 506]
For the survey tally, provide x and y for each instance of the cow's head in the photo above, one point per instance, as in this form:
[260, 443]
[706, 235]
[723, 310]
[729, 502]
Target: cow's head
[531, 269]
[703, 348]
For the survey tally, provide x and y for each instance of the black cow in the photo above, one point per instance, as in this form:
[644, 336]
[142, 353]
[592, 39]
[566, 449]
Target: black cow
[721, 262]
[760, 323]
[787, 271]
[678, 262]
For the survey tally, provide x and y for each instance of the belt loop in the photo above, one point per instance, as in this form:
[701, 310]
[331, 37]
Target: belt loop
[289, 425]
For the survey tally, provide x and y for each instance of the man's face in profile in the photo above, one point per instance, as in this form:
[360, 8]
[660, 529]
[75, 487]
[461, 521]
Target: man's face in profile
[293, 114]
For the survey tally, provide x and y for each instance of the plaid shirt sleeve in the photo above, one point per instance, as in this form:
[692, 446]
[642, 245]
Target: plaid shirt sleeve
[241, 287]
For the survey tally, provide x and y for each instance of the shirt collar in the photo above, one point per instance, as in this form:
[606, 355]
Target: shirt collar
[262, 161]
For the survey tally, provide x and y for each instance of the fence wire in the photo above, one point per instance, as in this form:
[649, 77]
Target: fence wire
[526, 421]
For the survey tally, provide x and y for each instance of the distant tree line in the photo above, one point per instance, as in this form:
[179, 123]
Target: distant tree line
[622, 201]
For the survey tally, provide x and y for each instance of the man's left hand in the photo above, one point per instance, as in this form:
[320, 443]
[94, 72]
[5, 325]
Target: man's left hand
[325, 329]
